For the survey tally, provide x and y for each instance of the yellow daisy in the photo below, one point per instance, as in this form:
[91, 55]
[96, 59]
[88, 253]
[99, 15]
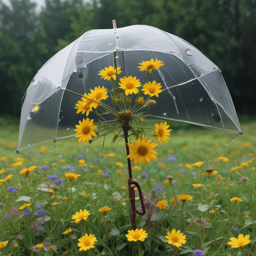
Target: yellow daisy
[2, 171]
[123, 188]
[17, 164]
[72, 176]
[39, 246]
[55, 203]
[119, 164]
[67, 232]
[236, 199]
[99, 94]
[130, 84]
[104, 210]
[81, 215]
[210, 172]
[241, 241]
[176, 238]
[109, 73]
[162, 132]
[142, 151]
[86, 242]
[198, 164]
[85, 105]
[27, 171]
[8, 177]
[140, 100]
[136, 235]
[24, 206]
[3, 244]
[85, 130]
[152, 89]
[184, 198]
[162, 204]
[197, 185]
[149, 65]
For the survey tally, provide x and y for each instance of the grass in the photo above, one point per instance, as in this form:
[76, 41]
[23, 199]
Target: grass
[208, 221]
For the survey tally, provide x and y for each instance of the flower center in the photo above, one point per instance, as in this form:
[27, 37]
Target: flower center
[86, 130]
[87, 243]
[240, 244]
[129, 85]
[110, 73]
[98, 95]
[175, 239]
[150, 67]
[151, 89]
[136, 236]
[160, 132]
[142, 150]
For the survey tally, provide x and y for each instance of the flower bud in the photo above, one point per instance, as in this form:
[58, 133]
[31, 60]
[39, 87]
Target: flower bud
[151, 103]
[169, 177]
[244, 179]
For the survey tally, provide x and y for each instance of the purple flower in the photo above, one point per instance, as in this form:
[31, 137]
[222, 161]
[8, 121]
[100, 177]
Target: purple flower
[40, 228]
[184, 171]
[158, 188]
[41, 212]
[194, 173]
[172, 159]
[105, 174]
[38, 205]
[39, 155]
[244, 179]
[85, 169]
[52, 177]
[145, 175]
[80, 156]
[27, 212]
[235, 229]
[174, 182]
[198, 252]
[45, 168]
[60, 156]
[11, 189]
[58, 182]
[7, 216]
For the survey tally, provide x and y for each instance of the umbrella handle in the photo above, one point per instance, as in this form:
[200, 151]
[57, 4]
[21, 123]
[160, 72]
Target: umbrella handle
[132, 183]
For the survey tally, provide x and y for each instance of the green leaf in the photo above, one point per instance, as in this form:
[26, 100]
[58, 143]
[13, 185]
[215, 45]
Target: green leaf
[163, 239]
[186, 251]
[203, 207]
[24, 198]
[114, 232]
[157, 216]
[205, 244]
[121, 246]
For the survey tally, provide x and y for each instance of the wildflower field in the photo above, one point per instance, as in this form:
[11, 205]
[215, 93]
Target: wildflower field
[73, 199]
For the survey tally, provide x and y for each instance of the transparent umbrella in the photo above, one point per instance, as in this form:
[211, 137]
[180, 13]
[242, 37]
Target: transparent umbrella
[193, 89]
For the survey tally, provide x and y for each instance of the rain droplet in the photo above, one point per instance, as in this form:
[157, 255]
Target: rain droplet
[29, 118]
[232, 140]
[201, 99]
[193, 84]
[188, 52]
[68, 129]
[164, 114]
[226, 144]
[174, 98]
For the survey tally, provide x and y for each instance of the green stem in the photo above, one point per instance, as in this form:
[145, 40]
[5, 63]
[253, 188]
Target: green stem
[181, 216]
[138, 248]
[70, 193]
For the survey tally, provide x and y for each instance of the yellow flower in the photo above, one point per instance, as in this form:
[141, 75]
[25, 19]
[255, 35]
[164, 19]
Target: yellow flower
[3, 244]
[24, 206]
[111, 154]
[142, 151]
[42, 149]
[188, 166]
[3, 158]
[99, 94]
[17, 164]
[85, 130]
[167, 181]
[176, 238]
[39, 246]
[85, 105]
[82, 215]
[2, 171]
[99, 171]
[72, 176]
[81, 163]
[162, 204]
[136, 168]
[136, 235]
[105, 209]
[85, 194]
[152, 89]
[67, 231]
[119, 171]
[149, 65]
[198, 164]
[214, 210]
[55, 203]
[244, 164]
[140, 100]
[86, 242]
[210, 172]
[223, 159]
[184, 198]
[15, 246]
[109, 73]
[162, 132]
[197, 185]
[19, 159]
[130, 84]
[174, 200]
[63, 199]
[123, 188]
[119, 164]
[241, 241]
[236, 199]
[27, 171]
[8, 177]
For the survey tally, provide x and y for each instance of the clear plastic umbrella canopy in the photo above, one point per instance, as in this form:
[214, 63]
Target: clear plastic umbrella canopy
[195, 91]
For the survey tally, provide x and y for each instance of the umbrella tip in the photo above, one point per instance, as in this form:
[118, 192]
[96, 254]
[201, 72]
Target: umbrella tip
[114, 24]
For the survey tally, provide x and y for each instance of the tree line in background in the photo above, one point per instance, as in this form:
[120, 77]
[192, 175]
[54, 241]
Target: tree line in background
[224, 30]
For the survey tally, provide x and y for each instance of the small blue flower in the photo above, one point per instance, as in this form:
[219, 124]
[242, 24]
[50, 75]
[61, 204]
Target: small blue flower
[7, 216]
[158, 188]
[198, 252]
[41, 212]
[235, 229]
[184, 171]
[39, 155]
[58, 182]
[60, 156]
[172, 158]
[11, 189]
[38, 205]
[52, 177]
[194, 173]
[105, 174]
[40, 228]
[27, 212]
[45, 168]
[85, 169]
[174, 182]
[80, 156]
[145, 175]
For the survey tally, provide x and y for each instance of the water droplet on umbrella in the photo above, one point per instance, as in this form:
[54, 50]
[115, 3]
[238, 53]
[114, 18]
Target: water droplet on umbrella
[193, 84]
[164, 114]
[29, 118]
[68, 129]
[216, 118]
[174, 98]
[232, 140]
[226, 144]
[188, 52]
[201, 99]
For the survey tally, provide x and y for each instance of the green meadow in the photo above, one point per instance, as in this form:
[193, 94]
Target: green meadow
[38, 207]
